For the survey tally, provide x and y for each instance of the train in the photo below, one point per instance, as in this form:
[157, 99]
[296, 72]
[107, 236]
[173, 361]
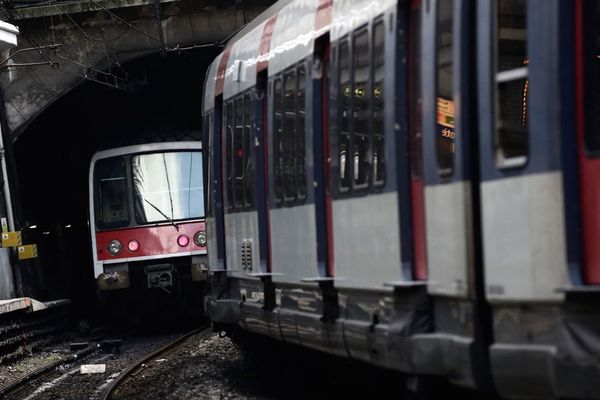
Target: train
[147, 225]
[413, 184]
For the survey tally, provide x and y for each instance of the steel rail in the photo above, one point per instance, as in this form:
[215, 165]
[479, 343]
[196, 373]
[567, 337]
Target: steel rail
[145, 359]
[35, 374]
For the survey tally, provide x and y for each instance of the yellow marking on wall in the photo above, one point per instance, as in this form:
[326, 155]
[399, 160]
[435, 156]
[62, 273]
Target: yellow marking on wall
[11, 239]
[28, 251]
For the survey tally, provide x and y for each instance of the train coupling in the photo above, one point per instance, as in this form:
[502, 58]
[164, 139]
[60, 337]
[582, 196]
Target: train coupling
[159, 276]
[113, 280]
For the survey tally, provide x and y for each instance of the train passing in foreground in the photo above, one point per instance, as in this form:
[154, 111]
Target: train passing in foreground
[414, 184]
[147, 221]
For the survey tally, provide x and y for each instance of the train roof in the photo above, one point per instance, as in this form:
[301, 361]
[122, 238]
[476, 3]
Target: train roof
[146, 148]
[294, 29]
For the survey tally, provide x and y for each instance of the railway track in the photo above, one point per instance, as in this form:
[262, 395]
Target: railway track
[23, 332]
[19, 388]
[113, 389]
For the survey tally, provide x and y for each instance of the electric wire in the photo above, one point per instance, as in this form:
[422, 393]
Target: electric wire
[39, 44]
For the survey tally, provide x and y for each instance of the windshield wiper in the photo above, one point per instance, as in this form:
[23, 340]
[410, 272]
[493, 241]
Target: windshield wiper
[164, 215]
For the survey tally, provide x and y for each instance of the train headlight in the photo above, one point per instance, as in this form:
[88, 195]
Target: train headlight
[183, 240]
[114, 247]
[133, 245]
[200, 238]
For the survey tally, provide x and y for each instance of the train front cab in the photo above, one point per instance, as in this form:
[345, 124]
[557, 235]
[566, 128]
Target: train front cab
[539, 194]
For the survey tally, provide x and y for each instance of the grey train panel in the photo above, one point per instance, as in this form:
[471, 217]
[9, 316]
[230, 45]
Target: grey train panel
[366, 241]
[293, 243]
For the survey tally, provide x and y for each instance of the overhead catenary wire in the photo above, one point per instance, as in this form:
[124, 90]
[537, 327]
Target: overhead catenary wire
[143, 32]
[108, 56]
[39, 44]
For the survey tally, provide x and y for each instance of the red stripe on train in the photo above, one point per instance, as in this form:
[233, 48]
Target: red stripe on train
[153, 240]
[323, 19]
[221, 72]
[265, 44]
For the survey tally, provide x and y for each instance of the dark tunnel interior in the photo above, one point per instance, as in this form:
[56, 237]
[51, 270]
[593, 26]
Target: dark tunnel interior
[52, 162]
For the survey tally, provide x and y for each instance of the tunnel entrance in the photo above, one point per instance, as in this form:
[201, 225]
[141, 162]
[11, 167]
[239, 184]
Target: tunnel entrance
[52, 157]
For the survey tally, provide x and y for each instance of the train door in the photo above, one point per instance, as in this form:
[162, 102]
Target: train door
[363, 151]
[213, 106]
[448, 187]
[320, 150]
[522, 190]
[587, 23]
[452, 217]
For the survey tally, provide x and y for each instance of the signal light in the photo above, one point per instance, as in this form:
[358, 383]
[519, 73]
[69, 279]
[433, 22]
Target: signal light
[183, 240]
[114, 247]
[133, 245]
[200, 238]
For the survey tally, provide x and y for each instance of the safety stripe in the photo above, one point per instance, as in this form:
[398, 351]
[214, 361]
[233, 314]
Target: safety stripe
[221, 72]
[265, 44]
[323, 19]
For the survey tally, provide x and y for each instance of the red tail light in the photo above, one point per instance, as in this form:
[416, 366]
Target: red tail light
[183, 240]
[133, 245]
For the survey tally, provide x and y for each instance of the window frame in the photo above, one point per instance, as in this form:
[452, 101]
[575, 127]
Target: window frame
[128, 196]
[503, 77]
[286, 164]
[365, 29]
[348, 186]
[444, 173]
[130, 158]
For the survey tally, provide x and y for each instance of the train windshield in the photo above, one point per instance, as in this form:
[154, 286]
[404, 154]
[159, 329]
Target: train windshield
[112, 205]
[167, 186]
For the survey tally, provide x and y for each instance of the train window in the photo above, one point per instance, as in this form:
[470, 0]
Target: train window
[592, 75]
[228, 154]
[512, 142]
[248, 153]
[278, 139]
[289, 133]
[301, 132]
[445, 134]
[345, 94]
[167, 186]
[378, 104]
[416, 99]
[112, 199]
[238, 153]
[361, 160]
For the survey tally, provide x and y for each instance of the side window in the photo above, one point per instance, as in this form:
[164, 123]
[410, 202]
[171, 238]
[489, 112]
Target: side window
[289, 134]
[512, 137]
[445, 136]
[378, 104]
[361, 160]
[301, 132]
[239, 156]
[112, 193]
[344, 98]
[248, 153]
[278, 139]
[591, 40]
[360, 107]
[229, 154]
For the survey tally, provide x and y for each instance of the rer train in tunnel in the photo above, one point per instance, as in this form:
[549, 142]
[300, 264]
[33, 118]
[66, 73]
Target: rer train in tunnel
[147, 222]
[413, 184]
